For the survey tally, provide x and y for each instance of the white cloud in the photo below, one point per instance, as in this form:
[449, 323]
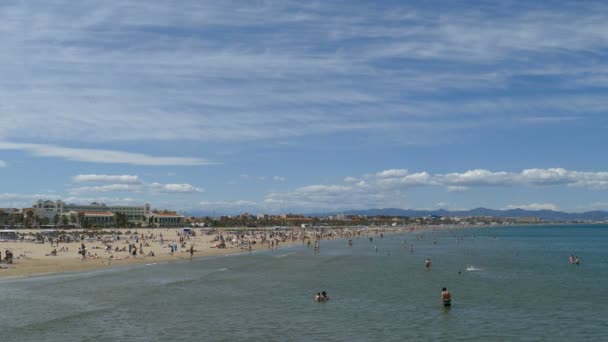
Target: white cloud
[476, 177]
[533, 206]
[388, 188]
[279, 178]
[107, 188]
[392, 173]
[117, 179]
[128, 183]
[100, 156]
[175, 188]
[456, 181]
[3, 164]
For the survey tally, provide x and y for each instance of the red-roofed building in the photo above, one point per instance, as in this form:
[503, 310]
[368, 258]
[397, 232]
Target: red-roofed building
[98, 218]
[166, 219]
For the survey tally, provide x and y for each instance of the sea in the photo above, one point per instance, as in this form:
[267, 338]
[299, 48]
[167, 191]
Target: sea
[507, 284]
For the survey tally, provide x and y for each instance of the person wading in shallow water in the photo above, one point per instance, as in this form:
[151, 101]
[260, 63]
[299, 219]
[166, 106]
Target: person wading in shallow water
[446, 297]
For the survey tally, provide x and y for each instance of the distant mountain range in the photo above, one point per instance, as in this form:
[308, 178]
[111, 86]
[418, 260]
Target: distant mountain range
[545, 215]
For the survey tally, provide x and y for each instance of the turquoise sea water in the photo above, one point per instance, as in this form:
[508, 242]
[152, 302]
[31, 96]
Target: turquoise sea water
[519, 286]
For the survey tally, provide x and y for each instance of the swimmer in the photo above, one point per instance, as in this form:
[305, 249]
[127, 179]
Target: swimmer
[324, 296]
[318, 297]
[427, 264]
[446, 297]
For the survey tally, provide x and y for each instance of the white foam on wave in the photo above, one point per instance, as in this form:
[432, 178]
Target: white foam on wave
[473, 269]
[223, 269]
[284, 255]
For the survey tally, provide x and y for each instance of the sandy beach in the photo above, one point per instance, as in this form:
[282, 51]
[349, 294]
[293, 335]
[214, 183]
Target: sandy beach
[35, 258]
[108, 248]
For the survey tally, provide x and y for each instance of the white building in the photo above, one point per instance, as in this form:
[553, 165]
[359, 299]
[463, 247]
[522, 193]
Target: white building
[49, 209]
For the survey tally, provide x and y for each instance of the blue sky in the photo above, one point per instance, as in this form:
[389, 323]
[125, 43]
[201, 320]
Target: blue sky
[276, 106]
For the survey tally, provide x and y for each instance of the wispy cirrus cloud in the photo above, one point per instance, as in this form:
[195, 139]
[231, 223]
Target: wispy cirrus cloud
[118, 179]
[100, 155]
[175, 188]
[3, 164]
[165, 65]
[107, 188]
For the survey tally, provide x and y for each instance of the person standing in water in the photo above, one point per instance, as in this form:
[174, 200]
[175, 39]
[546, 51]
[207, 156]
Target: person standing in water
[427, 264]
[446, 297]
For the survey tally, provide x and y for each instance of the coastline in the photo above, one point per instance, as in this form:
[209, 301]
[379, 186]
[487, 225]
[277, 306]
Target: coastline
[32, 259]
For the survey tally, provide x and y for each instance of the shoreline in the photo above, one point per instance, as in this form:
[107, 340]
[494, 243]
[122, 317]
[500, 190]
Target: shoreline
[33, 259]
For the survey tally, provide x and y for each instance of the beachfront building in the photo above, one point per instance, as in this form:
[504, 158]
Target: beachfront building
[100, 214]
[10, 216]
[166, 219]
[49, 209]
[97, 218]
